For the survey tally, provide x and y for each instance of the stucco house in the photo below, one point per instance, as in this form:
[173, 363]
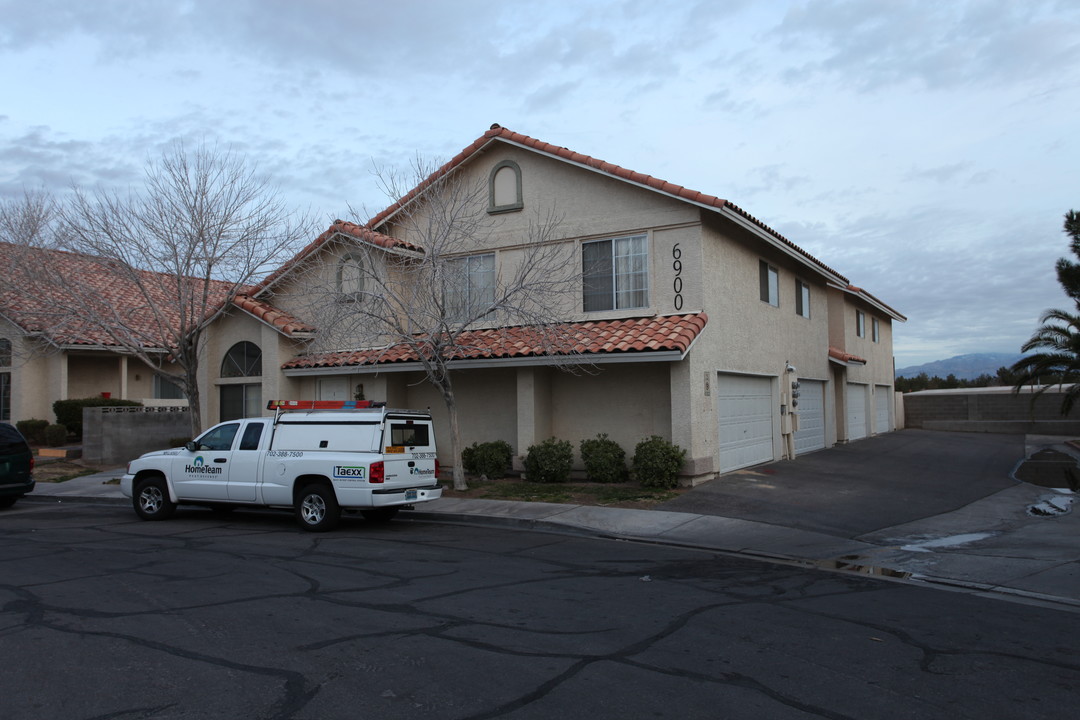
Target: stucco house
[705, 326]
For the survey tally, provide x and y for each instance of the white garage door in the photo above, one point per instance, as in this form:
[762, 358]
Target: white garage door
[882, 401]
[811, 433]
[856, 411]
[745, 408]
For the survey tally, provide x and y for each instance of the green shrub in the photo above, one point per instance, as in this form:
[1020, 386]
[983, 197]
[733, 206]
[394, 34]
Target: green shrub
[549, 461]
[69, 412]
[56, 435]
[657, 462]
[33, 430]
[604, 460]
[491, 459]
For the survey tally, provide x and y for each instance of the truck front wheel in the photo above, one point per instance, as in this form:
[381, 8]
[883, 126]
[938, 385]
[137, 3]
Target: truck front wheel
[151, 499]
[317, 509]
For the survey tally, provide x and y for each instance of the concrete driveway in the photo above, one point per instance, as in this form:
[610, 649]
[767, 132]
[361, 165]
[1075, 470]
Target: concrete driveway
[851, 490]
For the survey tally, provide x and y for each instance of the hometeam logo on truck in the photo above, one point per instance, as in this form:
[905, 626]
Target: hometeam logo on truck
[349, 472]
[199, 467]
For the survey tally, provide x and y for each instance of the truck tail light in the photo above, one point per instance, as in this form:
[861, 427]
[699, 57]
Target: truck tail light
[436, 469]
[377, 473]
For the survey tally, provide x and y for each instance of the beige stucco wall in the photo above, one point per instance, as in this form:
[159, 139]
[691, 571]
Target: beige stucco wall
[748, 336]
[36, 376]
[878, 373]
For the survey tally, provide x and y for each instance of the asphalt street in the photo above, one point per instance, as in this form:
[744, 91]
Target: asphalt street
[245, 616]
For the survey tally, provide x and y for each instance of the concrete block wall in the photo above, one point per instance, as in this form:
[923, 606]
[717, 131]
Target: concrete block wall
[975, 411]
[113, 436]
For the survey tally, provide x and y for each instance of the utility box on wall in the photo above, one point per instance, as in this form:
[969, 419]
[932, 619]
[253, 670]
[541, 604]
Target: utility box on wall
[115, 435]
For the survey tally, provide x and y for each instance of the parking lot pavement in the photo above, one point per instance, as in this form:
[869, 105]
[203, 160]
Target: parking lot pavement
[931, 506]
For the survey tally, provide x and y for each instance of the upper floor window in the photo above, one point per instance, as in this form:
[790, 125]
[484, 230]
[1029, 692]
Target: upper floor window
[802, 299]
[875, 330]
[769, 283]
[350, 276]
[5, 352]
[860, 323]
[244, 359]
[615, 273]
[504, 188]
[471, 285]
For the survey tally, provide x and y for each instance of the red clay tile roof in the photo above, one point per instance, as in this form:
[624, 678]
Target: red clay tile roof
[357, 232]
[279, 320]
[48, 310]
[498, 133]
[875, 301]
[845, 357]
[652, 334]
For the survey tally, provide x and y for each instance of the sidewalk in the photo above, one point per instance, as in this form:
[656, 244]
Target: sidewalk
[992, 545]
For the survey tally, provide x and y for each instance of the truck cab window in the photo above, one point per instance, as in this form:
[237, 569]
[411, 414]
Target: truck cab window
[252, 434]
[410, 435]
[220, 438]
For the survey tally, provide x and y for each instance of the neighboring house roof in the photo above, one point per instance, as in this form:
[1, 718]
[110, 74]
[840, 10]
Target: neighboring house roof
[338, 227]
[110, 290]
[711, 202]
[845, 358]
[665, 334]
[279, 320]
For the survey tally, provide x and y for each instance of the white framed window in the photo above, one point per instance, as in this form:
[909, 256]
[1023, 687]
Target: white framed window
[860, 323]
[875, 330]
[802, 299]
[769, 283]
[470, 285]
[350, 276]
[615, 273]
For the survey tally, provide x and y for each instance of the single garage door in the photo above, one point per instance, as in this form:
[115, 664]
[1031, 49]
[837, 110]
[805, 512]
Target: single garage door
[856, 411]
[745, 408]
[882, 401]
[811, 433]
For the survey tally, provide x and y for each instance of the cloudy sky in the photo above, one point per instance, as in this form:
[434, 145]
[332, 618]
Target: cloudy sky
[927, 150]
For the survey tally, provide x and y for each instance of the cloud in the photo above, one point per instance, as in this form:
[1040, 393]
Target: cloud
[938, 45]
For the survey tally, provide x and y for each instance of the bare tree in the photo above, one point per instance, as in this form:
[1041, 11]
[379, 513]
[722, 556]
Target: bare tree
[177, 252]
[438, 292]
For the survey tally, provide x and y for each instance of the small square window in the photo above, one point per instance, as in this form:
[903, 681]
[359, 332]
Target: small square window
[802, 299]
[860, 323]
[769, 282]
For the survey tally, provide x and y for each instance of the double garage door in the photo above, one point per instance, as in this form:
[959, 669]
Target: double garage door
[746, 406]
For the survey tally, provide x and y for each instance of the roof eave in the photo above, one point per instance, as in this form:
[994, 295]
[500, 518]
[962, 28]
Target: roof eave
[482, 364]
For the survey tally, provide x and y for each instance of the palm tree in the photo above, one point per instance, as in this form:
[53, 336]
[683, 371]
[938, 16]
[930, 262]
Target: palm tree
[1058, 361]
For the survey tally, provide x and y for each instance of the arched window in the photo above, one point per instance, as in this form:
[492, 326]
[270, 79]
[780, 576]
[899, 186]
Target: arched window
[350, 276]
[239, 399]
[244, 359]
[504, 188]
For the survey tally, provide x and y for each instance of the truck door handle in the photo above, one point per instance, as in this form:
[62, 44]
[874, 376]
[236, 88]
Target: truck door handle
[412, 464]
[221, 460]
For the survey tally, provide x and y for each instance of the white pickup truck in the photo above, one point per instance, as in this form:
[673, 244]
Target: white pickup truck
[316, 457]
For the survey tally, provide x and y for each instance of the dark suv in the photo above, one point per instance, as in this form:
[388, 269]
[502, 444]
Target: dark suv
[16, 466]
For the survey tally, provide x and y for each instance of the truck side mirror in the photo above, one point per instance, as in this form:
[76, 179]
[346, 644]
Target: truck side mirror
[190, 446]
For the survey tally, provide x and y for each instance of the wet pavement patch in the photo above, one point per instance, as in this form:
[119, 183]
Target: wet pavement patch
[1050, 468]
[852, 564]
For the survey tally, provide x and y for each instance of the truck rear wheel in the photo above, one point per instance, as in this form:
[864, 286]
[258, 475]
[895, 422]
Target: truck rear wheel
[317, 509]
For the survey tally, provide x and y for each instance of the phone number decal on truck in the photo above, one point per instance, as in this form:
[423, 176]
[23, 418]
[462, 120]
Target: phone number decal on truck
[285, 453]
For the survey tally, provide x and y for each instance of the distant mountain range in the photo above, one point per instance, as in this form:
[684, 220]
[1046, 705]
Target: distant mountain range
[965, 367]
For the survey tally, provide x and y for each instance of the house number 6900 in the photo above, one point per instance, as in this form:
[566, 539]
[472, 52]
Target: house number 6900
[676, 265]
